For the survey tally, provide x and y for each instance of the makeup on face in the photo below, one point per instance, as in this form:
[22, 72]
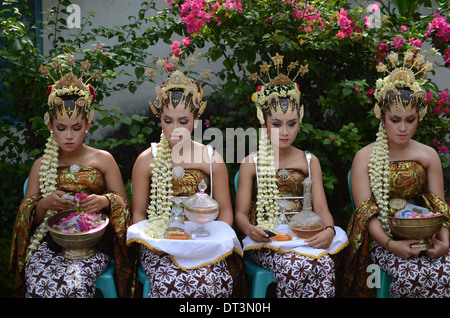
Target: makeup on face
[69, 132]
[177, 124]
[286, 126]
[401, 124]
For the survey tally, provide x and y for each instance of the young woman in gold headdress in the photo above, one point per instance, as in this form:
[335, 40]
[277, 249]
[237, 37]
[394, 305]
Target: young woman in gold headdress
[69, 167]
[175, 167]
[388, 174]
[279, 170]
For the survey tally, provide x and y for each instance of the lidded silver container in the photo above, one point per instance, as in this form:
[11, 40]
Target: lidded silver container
[200, 208]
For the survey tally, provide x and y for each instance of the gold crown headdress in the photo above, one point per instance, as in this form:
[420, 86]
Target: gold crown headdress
[178, 88]
[387, 93]
[269, 94]
[68, 85]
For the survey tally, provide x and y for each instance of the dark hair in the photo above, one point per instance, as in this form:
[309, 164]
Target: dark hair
[404, 96]
[176, 96]
[69, 104]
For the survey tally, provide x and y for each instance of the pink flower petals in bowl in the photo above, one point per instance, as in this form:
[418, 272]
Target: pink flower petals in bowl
[79, 222]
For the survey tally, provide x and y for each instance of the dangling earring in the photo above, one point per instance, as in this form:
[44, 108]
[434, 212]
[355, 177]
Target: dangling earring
[86, 131]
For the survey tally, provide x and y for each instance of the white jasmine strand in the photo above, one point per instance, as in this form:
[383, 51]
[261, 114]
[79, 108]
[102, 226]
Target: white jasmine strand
[161, 191]
[266, 209]
[379, 176]
[47, 184]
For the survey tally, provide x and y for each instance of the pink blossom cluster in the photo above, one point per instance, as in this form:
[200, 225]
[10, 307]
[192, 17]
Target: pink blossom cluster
[443, 98]
[193, 14]
[196, 13]
[306, 13]
[346, 23]
[447, 57]
[367, 19]
[440, 147]
[442, 28]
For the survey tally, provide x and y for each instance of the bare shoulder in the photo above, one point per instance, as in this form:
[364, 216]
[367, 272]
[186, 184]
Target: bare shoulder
[99, 158]
[247, 165]
[144, 160]
[427, 155]
[363, 155]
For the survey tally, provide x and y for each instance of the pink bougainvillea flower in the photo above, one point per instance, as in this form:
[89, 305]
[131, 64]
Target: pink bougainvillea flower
[340, 35]
[398, 42]
[403, 28]
[370, 93]
[186, 41]
[417, 42]
[175, 48]
[375, 7]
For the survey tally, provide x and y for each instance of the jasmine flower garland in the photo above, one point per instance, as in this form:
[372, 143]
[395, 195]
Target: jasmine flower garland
[267, 211]
[47, 184]
[161, 191]
[379, 176]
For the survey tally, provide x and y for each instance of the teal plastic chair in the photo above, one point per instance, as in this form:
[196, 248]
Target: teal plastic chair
[260, 277]
[385, 279]
[145, 281]
[105, 283]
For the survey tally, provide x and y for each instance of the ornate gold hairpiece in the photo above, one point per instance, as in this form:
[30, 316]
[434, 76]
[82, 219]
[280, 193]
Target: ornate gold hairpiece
[401, 77]
[177, 81]
[70, 84]
[268, 94]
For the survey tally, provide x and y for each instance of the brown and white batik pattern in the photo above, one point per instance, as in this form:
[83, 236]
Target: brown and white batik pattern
[298, 276]
[49, 275]
[416, 277]
[170, 281]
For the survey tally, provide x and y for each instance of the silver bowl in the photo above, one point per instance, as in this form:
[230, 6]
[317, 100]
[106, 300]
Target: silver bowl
[76, 245]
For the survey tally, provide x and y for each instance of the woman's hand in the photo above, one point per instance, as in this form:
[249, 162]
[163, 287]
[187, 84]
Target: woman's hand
[55, 202]
[94, 203]
[403, 248]
[440, 246]
[322, 239]
[257, 234]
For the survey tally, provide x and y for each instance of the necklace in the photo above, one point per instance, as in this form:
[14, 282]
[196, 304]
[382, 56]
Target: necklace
[75, 168]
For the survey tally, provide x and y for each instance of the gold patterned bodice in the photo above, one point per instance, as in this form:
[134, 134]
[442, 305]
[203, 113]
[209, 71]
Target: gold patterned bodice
[407, 179]
[188, 185]
[88, 180]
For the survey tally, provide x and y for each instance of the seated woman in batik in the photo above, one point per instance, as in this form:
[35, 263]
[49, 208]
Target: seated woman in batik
[279, 170]
[387, 174]
[69, 167]
[175, 167]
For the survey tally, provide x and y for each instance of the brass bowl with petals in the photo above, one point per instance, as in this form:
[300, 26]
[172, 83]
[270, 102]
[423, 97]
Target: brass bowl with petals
[76, 245]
